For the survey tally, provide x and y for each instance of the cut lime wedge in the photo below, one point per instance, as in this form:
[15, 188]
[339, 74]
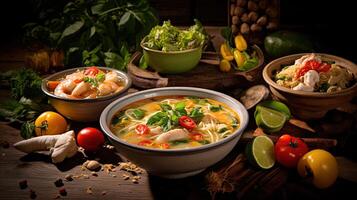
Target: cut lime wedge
[278, 106]
[270, 120]
[260, 152]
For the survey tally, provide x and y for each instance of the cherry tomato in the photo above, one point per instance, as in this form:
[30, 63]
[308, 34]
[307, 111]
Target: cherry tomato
[91, 71]
[145, 143]
[319, 165]
[142, 129]
[196, 136]
[187, 122]
[50, 123]
[91, 139]
[289, 149]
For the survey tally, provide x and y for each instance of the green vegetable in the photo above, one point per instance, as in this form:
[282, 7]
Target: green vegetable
[177, 142]
[170, 38]
[156, 118]
[165, 107]
[138, 113]
[215, 108]
[196, 114]
[227, 34]
[23, 83]
[283, 43]
[118, 118]
[100, 77]
[249, 64]
[204, 142]
[180, 105]
[97, 33]
[143, 64]
[27, 130]
[324, 87]
[91, 81]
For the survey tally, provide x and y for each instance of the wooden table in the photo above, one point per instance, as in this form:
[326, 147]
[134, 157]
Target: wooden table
[41, 174]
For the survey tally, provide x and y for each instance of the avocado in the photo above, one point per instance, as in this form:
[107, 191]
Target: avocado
[282, 43]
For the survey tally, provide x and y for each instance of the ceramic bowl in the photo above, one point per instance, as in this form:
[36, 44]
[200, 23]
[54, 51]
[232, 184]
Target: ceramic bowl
[174, 163]
[172, 62]
[309, 105]
[83, 110]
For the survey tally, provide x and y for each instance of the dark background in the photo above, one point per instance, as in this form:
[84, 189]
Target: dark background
[331, 24]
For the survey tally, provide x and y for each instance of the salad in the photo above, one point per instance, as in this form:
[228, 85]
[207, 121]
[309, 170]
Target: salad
[170, 38]
[311, 73]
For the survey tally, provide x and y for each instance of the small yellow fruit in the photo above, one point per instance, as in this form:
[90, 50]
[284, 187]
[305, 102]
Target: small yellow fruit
[225, 66]
[226, 53]
[240, 43]
[239, 57]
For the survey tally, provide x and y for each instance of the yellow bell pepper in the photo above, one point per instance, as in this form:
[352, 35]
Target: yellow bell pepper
[226, 53]
[239, 57]
[225, 66]
[240, 43]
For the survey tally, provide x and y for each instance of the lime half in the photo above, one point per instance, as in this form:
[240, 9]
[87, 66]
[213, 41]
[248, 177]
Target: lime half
[270, 120]
[278, 106]
[260, 152]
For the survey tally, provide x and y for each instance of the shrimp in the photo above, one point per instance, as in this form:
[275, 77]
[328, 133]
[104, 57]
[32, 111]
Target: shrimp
[65, 88]
[108, 87]
[112, 76]
[80, 89]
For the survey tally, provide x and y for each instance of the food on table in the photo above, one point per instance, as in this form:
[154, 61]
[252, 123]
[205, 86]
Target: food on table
[282, 43]
[289, 149]
[311, 73]
[254, 95]
[268, 119]
[245, 58]
[224, 65]
[92, 165]
[260, 152]
[321, 166]
[91, 139]
[89, 83]
[50, 123]
[278, 106]
[170, 38]
[174, 122]
[60, 146]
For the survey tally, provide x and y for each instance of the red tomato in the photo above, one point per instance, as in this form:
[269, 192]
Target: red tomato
[325, 67]
[142, 129]
[312, 64]
[187, 122]
[91, 139]
[78, 80]
[91, 71]
[196, 136]
[289, 149]
[145, 143]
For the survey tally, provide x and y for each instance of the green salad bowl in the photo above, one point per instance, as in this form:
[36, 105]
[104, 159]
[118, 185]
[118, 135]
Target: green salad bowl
[173, 62]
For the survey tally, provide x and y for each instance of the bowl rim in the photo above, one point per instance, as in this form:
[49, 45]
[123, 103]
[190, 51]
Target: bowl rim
[243, 123]
[123, 75]
[168, 52]
[273, 84]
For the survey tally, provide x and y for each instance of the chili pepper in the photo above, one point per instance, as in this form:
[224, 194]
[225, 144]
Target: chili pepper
[187, 122]
[92, 71]
[142, 129]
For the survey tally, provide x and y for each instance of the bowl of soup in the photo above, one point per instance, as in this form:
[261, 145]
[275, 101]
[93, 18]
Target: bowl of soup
[174, 132]
[311, 84]
[81, 94]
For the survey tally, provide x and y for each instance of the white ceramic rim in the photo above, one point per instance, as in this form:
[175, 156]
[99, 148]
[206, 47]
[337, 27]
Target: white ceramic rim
[112, 108]
[122, 75]
[272, 83]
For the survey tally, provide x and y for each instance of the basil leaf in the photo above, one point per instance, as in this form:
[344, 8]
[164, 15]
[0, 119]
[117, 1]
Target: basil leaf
[156, 118]
[165, 107]
[215, 108]
[71, 29]
[138, 113]
[196, 114]
[180, 105]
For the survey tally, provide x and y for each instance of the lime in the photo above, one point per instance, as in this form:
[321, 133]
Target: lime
[268, 119]
[260, 152]
[278, 106]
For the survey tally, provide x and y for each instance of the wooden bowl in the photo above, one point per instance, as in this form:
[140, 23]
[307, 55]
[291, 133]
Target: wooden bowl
[309, 105]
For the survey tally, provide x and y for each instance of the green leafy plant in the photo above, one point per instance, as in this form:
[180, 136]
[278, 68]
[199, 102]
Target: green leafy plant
[101, 32]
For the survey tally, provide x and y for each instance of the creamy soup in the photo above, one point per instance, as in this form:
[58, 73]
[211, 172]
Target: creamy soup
[174, 122]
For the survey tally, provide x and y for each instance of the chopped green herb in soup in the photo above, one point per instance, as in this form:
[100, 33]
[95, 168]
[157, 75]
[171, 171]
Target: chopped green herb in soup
[174, 122]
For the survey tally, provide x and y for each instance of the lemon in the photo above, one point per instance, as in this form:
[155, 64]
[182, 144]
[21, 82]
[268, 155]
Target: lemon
[260, 152]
